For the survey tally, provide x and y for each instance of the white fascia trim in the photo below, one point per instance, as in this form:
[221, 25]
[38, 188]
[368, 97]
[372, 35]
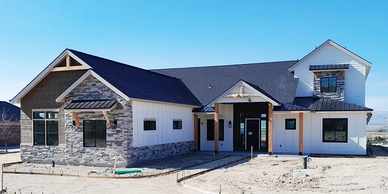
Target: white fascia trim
[46, 71]
[167, 103]
[241, 82]
[339, 112]
[83, 77]
[289, 112]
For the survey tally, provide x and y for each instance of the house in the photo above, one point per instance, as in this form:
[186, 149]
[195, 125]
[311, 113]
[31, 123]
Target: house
[84, 109]
[9, 125]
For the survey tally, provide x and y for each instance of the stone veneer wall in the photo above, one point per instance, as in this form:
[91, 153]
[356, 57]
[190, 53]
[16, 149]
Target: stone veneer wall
[340, 94]
[118, 138]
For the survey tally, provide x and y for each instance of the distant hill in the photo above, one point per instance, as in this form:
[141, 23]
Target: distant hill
[379, 120]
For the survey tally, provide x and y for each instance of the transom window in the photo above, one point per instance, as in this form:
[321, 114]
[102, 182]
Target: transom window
[329, 84]
[177, 124]
[45, 127]
[210, 130]
[335, 130]
[94, 133]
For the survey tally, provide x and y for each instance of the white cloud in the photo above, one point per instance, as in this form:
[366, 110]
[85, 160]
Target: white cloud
[378, 103]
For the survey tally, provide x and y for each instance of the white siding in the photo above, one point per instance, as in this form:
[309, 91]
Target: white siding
[285, 141]
[226, 113]
[312, 134]
[354, 77]
[164, 114]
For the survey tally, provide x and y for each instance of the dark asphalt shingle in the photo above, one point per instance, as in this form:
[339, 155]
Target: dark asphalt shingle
[207, 83]
[139, 83]
[12, 111]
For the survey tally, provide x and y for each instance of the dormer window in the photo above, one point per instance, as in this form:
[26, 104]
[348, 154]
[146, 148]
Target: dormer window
[329, 84]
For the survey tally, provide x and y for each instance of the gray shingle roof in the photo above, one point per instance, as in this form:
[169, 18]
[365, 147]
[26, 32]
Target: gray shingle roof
[207, 83]
[319, 104]
[139, 83]
[329, 67]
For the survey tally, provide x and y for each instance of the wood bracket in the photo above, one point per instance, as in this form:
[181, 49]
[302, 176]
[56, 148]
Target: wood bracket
[75, 116]
[107, 119]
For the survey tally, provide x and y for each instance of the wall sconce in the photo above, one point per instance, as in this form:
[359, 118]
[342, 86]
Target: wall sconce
[74, 123]
[115, 122]
[230, 124]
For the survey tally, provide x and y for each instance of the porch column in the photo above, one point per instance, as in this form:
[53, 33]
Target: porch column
[196, 132]
[216, 127]
[300, 133]
[270, 129]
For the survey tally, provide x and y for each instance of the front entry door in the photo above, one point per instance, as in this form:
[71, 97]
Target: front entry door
[252, 128]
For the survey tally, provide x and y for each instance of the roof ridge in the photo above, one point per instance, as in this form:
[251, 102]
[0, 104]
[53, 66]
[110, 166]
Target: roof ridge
[209, 66]
[124, 64]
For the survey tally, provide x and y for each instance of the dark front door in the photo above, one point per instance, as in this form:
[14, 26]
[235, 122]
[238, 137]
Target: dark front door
[253, 133]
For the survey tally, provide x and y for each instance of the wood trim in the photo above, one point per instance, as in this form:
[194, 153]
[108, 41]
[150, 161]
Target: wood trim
[300, 133]
[270, 128]
[107, 118]
[67, 61]
[70, 68]
[75, 116]
[216, 127]
[196, 132]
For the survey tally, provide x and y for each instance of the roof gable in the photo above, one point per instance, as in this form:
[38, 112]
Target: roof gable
[362, 61]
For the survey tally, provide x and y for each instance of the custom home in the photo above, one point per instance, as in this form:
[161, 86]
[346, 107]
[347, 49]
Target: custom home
[84, 109]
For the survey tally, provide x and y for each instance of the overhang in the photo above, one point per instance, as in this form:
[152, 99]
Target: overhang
[91, 105]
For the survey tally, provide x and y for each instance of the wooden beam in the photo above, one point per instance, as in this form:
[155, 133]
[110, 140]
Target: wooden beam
[71, 68]
[107, 118]
[216, 127]
[270, 128]
[196, 132]
[75, 116]
[67, 61]
[300, 133]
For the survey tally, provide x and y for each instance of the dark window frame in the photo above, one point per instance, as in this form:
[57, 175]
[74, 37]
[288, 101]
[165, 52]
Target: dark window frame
[149, 125]
[210, 130]
[328, 88]
[177, 124]
[94, 124]
[324, 123]
[49, 135]
[287, 126]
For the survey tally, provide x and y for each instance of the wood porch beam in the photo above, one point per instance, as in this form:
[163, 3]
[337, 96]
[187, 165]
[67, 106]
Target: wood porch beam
[216, 127]
[75, 116]
[67, 61]
[71, 68]
[107, 118]
[300, 133]
[270, 128]
[196, 132]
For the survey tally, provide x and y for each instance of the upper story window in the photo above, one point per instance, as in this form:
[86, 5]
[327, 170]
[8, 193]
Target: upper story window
[45, 127]
[329, 84]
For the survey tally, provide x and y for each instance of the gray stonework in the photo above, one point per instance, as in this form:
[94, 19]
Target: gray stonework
[340, 94]
[118, 138]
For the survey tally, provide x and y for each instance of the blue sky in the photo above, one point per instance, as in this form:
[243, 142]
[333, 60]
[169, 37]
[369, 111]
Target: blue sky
[161, 34]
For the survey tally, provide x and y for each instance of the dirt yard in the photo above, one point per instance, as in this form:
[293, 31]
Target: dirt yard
[263, 174]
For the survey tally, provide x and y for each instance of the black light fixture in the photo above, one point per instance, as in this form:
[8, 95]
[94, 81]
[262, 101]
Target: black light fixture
[73, 122]
[115, 122]
[230, 124]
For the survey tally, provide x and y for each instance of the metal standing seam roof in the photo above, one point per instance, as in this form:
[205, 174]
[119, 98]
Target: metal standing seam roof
[90, 104]
[329, 67]
[319, 104]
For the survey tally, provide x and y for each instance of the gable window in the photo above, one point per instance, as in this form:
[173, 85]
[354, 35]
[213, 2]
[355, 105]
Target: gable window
[149, 125]
[94, 133]
[210, 129]
[329, 84]
[335, 130]
[290, 124]
[177, 124]
[45, 127]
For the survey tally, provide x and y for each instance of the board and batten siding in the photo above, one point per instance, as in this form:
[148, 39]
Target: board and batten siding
[164, 114]
[313, 132]
[328, 54]
[226, 113]
[285, 141]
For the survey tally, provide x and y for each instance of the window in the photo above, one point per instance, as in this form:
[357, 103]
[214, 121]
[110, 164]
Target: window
[210, 130]
[149, 125]
[94, 133]
[290, 124]
[45, 127]
[329, 84]
[335, 130]
[177, 124]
